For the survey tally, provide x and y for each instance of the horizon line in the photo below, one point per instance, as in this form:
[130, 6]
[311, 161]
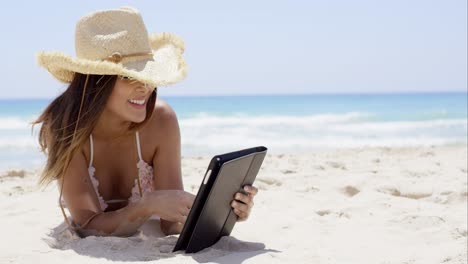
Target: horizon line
[270, 94]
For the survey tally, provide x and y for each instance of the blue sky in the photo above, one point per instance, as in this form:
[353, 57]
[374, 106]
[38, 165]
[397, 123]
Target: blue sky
[264, 47]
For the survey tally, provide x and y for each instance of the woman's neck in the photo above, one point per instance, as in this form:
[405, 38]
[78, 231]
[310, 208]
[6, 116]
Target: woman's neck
[110, 127]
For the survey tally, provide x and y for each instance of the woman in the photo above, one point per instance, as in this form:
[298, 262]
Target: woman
[113, 148]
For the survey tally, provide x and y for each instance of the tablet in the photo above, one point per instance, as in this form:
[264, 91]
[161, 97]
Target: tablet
[212, 216]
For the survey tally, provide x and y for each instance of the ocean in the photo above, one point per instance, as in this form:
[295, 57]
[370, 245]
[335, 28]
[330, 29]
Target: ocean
[213, 125]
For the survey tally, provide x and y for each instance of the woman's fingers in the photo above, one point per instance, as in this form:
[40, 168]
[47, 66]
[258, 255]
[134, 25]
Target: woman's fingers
[181, 218]
[188, 199]
[245, 208]
[244, 198]
[243, 203]
[186, 211]
[242, 215]
[251, 190]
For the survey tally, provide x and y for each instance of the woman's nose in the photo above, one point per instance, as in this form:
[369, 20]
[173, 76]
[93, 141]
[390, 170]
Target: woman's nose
[143, 87]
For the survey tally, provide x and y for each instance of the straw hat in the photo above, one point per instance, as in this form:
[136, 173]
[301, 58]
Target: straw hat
[116, 42]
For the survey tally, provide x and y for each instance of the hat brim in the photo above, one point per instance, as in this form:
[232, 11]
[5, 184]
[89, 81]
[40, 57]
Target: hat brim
[167, 66]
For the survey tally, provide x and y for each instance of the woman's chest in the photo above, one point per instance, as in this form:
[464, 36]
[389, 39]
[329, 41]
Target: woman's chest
[116, 175]
[118, 165]
[116, 168]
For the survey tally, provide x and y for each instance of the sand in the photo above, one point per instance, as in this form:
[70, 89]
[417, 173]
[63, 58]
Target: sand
[365, 205]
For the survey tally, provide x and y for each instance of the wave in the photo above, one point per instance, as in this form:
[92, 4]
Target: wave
[16, 123]
[205, 119]
[353, 122]
[286, 134]
[17, 144]
[205, 134]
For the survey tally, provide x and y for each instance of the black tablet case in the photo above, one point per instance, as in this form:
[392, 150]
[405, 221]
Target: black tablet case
[212, 216]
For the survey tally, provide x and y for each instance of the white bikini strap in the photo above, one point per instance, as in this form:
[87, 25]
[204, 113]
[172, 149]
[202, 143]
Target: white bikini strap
[138, 145]
[139, 155]
[92, 150]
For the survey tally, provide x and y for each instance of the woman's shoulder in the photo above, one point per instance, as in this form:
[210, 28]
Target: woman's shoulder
[163, 122]
[163, 116]
[163, 111]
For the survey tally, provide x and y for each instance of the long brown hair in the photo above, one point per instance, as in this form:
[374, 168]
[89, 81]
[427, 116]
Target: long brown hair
[70, 118]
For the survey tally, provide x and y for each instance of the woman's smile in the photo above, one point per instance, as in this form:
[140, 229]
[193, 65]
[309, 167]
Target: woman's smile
[138, 104]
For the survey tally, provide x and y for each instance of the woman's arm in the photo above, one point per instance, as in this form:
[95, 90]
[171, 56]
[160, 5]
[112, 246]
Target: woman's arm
[167, 160]
[123, 222]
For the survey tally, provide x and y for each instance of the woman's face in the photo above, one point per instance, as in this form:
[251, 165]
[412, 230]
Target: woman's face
[128, 99]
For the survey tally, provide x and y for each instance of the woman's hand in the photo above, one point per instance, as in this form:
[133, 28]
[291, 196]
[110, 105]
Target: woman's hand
[170, 205]
[243, 204]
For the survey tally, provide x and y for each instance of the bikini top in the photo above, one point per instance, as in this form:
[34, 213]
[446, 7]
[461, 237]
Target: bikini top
[145, 175]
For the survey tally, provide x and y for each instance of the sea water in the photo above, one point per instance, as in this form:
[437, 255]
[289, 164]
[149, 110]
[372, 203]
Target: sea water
[213, 125]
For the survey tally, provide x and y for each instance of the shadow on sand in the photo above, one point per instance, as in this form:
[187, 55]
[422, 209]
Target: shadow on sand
[149, 244]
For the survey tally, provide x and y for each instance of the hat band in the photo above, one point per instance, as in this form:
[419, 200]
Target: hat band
[118, 57]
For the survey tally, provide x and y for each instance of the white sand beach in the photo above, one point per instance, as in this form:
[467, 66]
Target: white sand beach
[362, 205]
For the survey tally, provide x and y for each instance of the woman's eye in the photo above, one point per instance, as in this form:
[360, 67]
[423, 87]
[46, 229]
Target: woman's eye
[126, 78]
[129, 80]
